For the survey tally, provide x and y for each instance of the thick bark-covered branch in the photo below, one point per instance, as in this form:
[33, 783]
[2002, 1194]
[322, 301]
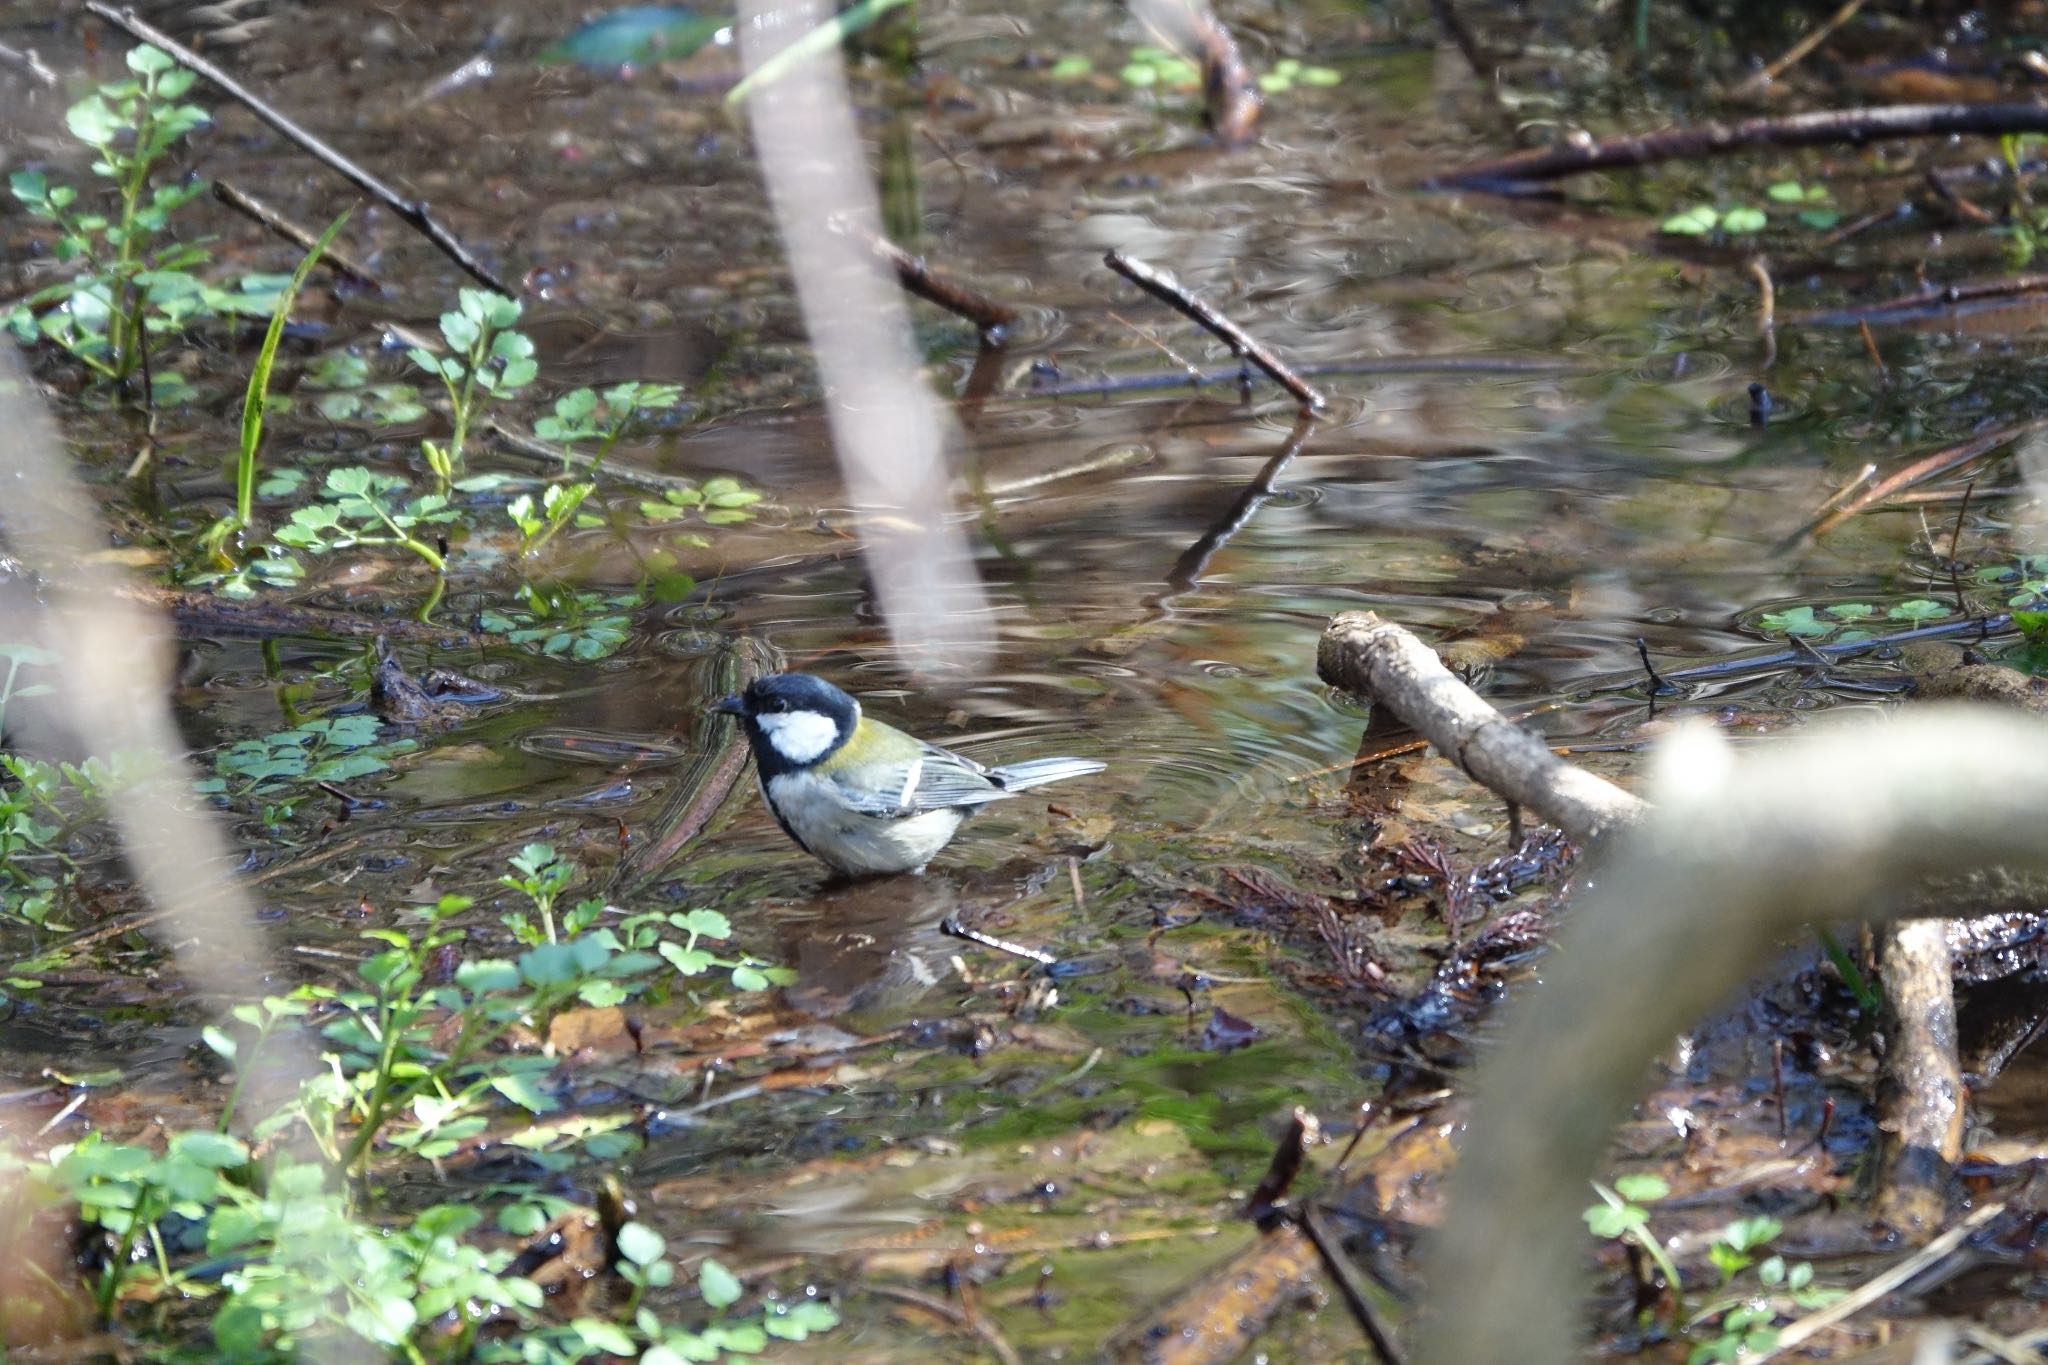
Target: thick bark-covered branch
[1390, 667]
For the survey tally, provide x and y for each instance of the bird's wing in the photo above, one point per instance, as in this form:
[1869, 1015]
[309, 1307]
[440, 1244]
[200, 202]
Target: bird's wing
[932, 779]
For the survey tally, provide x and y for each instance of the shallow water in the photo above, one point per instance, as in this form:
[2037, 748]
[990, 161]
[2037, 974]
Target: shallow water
[1574, 435]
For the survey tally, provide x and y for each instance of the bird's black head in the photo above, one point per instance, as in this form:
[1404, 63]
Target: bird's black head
[793, 720]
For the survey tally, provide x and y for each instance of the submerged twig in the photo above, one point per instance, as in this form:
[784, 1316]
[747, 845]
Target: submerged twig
[27, 60]
[1802, 49]
[1467, 42]
[411, 211]
[305, 240]
[1918, 471]
[1331, 1248]
[1818, 128]
[932, 286]
[1767, 309]
[1884, 373]
[1927, 301]
[1390, 364]
[1875, 1288]
[1174, 294]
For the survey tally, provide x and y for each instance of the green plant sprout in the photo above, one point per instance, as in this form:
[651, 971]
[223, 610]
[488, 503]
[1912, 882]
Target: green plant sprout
[342, 392]
[490, 359]
[1621, 1217]
[584, 415]
[412, 1063]
[43, 806]
[362, 507]
[538, 524]
[1808, 622]
[1746, 1324]
[720, 502]
[1155, 66]
[254, 401]
[1743, 220]
[282, 768]
[129, 281]
[585, 625]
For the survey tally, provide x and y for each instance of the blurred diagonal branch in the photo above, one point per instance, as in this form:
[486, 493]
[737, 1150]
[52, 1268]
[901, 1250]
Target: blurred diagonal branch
[890, 435]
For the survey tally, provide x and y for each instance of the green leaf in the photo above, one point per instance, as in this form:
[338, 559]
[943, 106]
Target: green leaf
[522, 1091]
[1697, 221]
[719, 1286]
[1642, 1189]
[1070, 68]
[1744, 219]
[1796, 621]
[1919, 609]
[641, 1244]
[1787, 192]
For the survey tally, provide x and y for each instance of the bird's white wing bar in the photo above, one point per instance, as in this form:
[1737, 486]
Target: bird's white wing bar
[910, 778]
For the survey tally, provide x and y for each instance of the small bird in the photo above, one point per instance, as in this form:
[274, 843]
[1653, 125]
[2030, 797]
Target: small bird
[863, 796]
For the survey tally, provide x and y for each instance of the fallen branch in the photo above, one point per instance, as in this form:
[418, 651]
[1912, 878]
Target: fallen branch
[1920, 1090]
[1174, 294]
[410, 211]
[1386, 664]
[1816, 129]
[920, 279]
[704, 786]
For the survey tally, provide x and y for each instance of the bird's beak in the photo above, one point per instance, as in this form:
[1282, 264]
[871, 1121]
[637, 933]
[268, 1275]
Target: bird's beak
[730, 706]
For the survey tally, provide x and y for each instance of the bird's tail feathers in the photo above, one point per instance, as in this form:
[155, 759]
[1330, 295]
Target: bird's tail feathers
[1018, 776]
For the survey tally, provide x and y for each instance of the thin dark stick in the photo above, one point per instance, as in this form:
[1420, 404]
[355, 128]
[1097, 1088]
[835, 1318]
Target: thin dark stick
[1946, 192]
[1303, 1132]
[1955, 540]
[1816, 129]
[1778, 1083]
[1927, 301]
[1884, 374]
[26, 59]
[248, 204]
[1461, 35]
[1658, 687]
[1174, 294]
[1331, 1248]
[920, 279]
[1917, 472]
[956, 929]
[411, 211]
[1805, 657]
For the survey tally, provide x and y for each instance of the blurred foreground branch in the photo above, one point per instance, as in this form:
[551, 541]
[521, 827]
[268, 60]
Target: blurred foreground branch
[1830, 825]
[889, 433]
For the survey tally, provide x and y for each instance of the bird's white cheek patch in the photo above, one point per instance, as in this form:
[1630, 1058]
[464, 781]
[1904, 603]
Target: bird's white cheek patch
[799, 736]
